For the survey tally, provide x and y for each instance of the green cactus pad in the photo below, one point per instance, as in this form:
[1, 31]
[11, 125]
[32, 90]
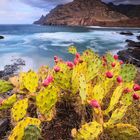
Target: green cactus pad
[5, 86]
[19, 109]
[128, 72]
[32, 132]
[18, 132]
[46, 100]
[8, 102]
[89, 131]
[123, 132]
[63, 78]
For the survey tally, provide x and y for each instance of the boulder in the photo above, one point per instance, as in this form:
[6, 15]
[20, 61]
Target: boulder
[138, 37]
[128, 33]
[1, 37]
[133, 43]
[4, 124]
[130, 55]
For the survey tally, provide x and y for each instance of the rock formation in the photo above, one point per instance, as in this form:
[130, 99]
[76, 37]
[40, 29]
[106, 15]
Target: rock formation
[87, 13]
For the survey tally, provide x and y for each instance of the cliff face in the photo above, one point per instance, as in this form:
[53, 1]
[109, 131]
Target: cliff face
[87, 13]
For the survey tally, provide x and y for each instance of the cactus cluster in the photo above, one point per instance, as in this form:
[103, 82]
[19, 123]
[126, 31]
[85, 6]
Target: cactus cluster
[104, 83]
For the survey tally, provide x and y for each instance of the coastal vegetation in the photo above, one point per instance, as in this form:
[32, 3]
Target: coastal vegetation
[89, 98]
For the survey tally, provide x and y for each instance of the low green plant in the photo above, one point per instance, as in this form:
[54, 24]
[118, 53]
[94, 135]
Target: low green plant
[101, 82]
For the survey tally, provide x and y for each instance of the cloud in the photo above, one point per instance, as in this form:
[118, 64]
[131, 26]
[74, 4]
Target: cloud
[14, 11]
[117, 2]
[47, 4]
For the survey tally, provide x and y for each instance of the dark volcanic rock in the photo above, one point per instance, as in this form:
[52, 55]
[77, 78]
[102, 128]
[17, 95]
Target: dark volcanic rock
[11, 69]
[4, 124]
[133, 43]
[1, 37]
[88, 13]
[126, 33]
[131, 55]
[138, 37]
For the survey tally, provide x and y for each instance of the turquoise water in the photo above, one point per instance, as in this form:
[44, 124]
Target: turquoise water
[38, 44]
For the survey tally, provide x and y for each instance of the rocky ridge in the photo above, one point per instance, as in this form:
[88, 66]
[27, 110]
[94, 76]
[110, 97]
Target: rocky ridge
[88, 13]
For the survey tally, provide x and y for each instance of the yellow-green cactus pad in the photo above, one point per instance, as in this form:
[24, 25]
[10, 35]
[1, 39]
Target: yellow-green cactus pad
[72, 50]
[115, 98]
[46, 100]
[83, 88]
[63, 78]
[5, 86]
[89, 131]
[19, 109]
[30, 81]
[117, 115]
[128, 72]
[8, 102]
[18, 132]
[123, 132]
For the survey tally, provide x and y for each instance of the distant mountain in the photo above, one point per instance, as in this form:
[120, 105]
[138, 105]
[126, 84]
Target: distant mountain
[92, 12]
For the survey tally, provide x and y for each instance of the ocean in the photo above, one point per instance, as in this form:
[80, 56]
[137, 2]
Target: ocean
[38, 44]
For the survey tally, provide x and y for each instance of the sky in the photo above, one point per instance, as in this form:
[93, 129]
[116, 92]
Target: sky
[27, 11]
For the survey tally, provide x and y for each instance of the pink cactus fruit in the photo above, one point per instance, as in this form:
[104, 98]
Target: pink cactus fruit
[70, 64]
[47, 81]
[109, 74]
[116, 57]
[76, 61]
[77, 55]
[113, 64]
[121, 62]
[126, 90]
[94, 103]
[119, 79]
[136, 96]
[56, 68]
[136, 87]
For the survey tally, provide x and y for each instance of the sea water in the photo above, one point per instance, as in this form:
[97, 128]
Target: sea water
[38, 44]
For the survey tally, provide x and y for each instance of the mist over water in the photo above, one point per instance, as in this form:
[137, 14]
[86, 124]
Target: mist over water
[38, 44]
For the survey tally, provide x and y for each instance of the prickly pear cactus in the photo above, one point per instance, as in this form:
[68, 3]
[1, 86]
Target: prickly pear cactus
[117, 115]
[123, 132]
[63, 78]
[5, 86]
[18, 131]
[72, 50]
[83, 88]
[46, 100]
[8, 102]
[128, 72]
[43, 73]
[89, 131]
[32, 132]
[115, 98]
[19, 109]
[29, 80]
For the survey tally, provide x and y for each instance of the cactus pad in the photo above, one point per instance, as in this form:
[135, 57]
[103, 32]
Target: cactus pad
[5, 86]
[89, 131]
[30, 81]
[8, 102]
[46, 100]
[32, 132]
[18, 131]
[128, 72]
[19, 109]
[123, 132]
